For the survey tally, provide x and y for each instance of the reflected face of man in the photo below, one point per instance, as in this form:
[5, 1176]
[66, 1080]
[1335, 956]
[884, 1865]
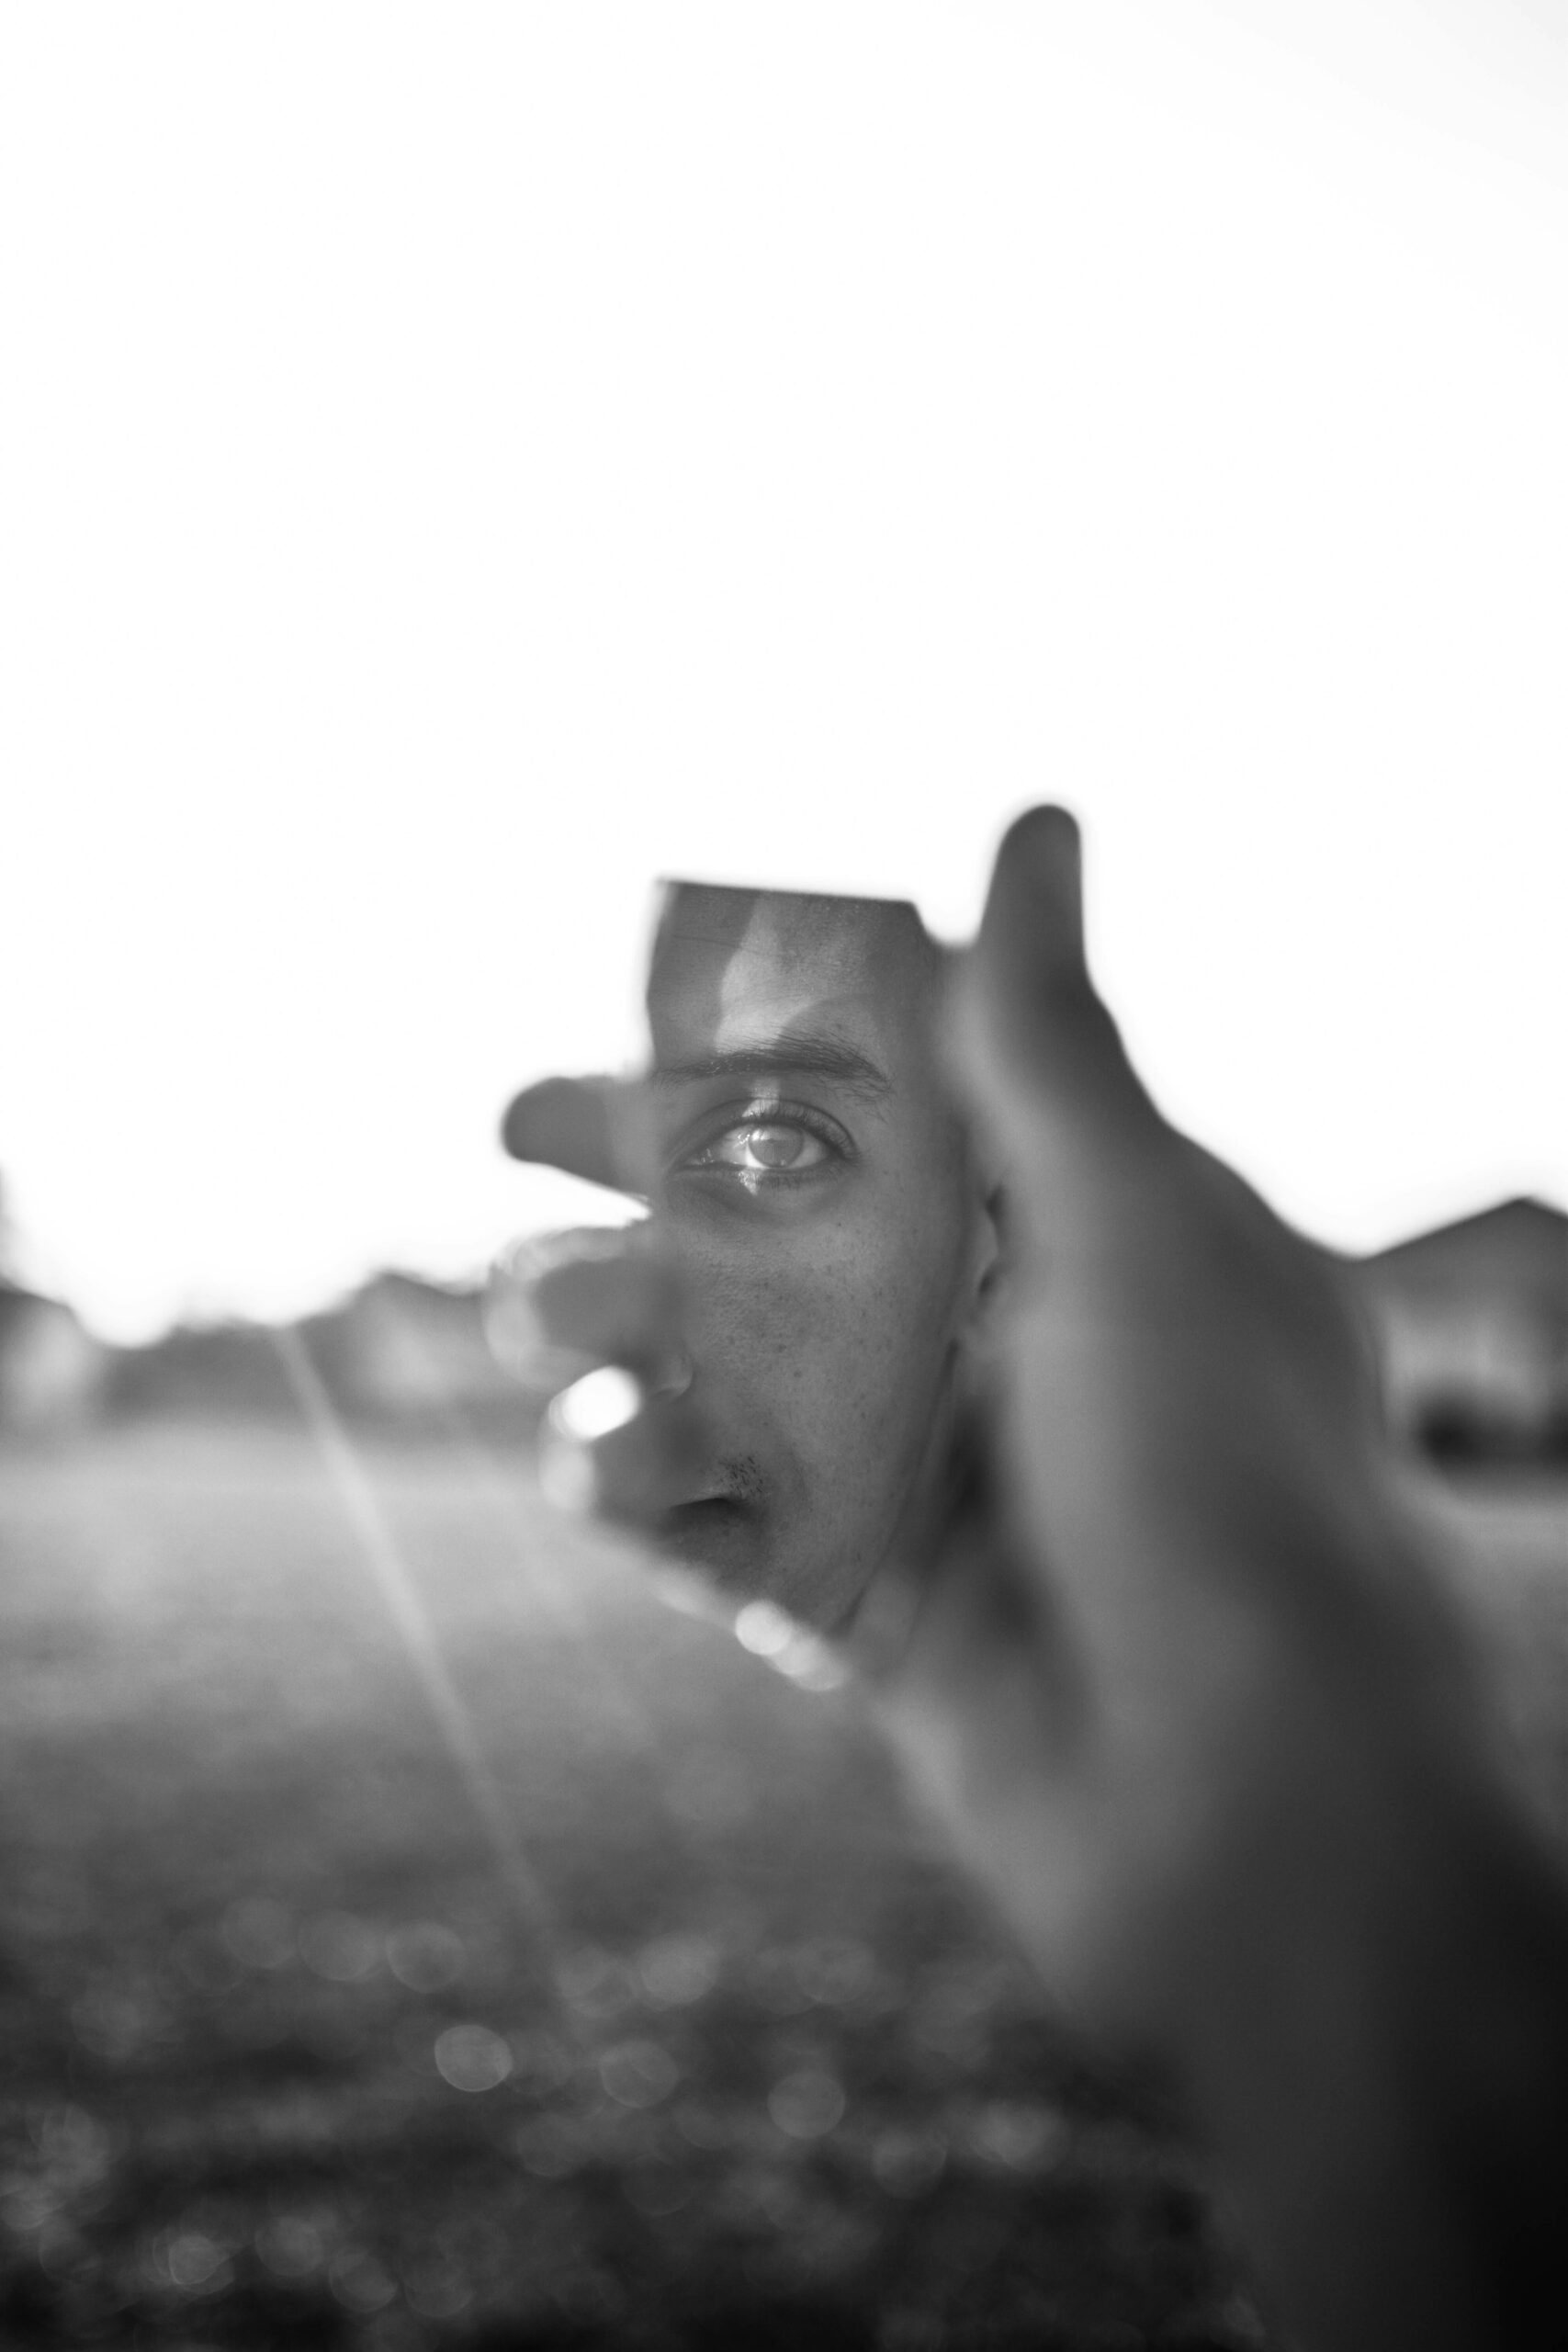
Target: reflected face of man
[815, 1194]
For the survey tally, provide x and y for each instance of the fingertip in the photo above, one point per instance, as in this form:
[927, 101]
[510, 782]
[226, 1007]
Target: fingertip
[1027, 976]
[567, 1479]
[558, 1121]
[1047, 830]
[1034, 907]
[1028, 1033]
[582, 1126]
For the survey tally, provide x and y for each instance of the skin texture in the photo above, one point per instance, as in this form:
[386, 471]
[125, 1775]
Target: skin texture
[818, 1220]
[824, 1226]
[1149, 1624]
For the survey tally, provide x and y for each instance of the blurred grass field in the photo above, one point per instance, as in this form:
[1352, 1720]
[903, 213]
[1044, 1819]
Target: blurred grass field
[278, 2068]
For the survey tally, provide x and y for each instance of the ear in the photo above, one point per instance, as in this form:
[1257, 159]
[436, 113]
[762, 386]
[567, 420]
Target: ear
[986, 1273]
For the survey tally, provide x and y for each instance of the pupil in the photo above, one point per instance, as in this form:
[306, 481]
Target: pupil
[776, 1147]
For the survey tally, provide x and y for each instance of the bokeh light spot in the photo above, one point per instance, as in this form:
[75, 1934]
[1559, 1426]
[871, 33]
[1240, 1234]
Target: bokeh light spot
[1020, 2135]
[765, 1629]
[678, 1970]
[472, 2058]
[598, 1403]
[359, 2282]
[436, 2288]
[192, 2260]
[807, 2103]
[638, 2074]
[596, 1982]
[425, 1956]
[291, 2246]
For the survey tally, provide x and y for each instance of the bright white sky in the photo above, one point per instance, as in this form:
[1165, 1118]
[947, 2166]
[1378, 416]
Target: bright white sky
[461, 462]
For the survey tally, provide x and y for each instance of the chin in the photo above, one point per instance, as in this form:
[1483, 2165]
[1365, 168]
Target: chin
[734, 1545]
[728, 1540]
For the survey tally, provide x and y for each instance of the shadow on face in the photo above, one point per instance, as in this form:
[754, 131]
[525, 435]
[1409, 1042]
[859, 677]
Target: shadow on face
[815, 1190]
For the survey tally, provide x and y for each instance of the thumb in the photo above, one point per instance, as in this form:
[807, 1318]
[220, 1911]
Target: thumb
[1031, 1042]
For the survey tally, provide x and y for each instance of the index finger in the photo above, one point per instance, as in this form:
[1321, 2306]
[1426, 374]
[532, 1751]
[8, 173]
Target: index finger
[594, 1127]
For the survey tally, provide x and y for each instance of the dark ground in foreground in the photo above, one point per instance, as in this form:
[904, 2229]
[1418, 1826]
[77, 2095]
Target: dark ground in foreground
[272, 2072]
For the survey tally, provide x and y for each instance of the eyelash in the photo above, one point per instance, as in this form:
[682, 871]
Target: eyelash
[778, 1114]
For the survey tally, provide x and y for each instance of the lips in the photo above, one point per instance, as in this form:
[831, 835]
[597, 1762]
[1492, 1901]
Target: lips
[736, 1482]
[719, 1533]
[704, 1510]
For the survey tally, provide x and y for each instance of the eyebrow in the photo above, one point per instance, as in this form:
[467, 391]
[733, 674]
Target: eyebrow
[794, 1052]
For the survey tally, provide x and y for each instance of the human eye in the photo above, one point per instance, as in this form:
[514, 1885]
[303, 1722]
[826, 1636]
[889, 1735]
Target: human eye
[769, 1144]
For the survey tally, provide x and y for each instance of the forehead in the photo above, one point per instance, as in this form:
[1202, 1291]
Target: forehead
[735, 967]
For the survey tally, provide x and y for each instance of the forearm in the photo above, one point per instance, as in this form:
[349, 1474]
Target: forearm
[1333, 1929]
[1370, 2024]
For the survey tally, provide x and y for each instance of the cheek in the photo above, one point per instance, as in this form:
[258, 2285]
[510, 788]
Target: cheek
[833, 1344]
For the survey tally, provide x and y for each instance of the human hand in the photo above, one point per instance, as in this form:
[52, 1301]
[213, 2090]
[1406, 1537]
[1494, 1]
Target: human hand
[1176, 1588]
[1162, 1649]
[1183, 1683]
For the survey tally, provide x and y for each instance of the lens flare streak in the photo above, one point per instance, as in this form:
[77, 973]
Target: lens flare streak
[390, 1574]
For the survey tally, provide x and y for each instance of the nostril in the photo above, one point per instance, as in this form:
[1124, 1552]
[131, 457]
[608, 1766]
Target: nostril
[673, 1374]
